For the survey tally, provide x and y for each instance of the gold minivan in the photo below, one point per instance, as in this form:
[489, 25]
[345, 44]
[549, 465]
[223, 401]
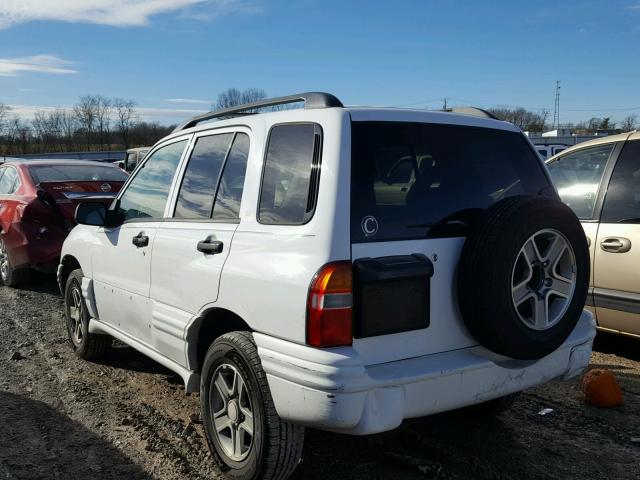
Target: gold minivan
[600, 181]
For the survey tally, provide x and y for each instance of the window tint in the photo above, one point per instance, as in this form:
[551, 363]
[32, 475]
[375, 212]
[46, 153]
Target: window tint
[146, 195]
[622, 203]
[198, 188]
[455, 172]
[289, 183]
[8, 181]
[577, 177]
[227, 206]
[77, 173]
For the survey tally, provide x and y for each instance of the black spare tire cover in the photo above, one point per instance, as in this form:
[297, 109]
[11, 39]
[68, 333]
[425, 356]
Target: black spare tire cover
[523, 276]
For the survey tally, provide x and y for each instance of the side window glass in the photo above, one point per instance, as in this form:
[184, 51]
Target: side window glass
[622, 202]
[146, 195]
[227, 206]
[8, 181]
[291, 173]
[577, 177]
[198, 188]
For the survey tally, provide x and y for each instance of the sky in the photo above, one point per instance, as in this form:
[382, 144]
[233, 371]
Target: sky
[173, 57]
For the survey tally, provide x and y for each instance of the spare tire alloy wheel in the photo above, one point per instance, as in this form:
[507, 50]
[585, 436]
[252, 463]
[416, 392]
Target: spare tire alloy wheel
[232, 412]
[543, 279]
[523, 276]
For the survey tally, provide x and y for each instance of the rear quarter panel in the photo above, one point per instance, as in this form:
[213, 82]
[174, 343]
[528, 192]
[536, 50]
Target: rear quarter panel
[269, 269]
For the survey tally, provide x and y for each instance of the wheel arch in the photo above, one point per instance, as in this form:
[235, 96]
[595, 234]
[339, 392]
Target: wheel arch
[68, 263]
[209, 325]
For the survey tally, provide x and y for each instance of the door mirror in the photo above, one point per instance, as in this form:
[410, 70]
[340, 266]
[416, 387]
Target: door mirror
[96, 214]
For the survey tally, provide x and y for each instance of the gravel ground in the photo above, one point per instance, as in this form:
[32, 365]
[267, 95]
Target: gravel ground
[127, 417]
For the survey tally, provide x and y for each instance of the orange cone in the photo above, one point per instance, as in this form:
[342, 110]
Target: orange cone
[601, 389]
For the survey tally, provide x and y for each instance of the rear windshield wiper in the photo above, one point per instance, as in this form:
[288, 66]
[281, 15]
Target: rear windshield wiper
[630, 220]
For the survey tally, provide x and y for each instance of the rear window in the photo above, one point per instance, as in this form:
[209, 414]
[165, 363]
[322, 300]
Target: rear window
[76, 173]
[417, 180]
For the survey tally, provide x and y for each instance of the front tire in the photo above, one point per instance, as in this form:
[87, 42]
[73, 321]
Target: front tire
[247, 438]
[87, 346]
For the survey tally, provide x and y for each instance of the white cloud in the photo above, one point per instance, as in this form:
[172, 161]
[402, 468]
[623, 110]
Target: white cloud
[11, 67]
[119, 13]
[194, 101]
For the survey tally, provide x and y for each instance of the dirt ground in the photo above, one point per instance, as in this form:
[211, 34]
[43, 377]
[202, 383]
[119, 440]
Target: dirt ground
[127, 417]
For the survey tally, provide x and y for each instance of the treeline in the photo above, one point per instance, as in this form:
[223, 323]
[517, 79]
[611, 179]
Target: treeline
[95, 123]
[530, 121]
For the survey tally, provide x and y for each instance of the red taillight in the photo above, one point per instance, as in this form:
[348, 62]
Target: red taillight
[329, 307]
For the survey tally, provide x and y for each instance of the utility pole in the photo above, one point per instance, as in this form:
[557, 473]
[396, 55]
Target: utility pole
[444, 103]
[556, 110]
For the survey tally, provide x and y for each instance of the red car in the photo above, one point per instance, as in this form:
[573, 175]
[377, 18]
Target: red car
[38, 199]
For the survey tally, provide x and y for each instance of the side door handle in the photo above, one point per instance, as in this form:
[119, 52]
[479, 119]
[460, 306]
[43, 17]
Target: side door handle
[616, 244]
[210, 246]
[140, 240]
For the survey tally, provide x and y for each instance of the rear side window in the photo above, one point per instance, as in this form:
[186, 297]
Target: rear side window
[76, 173]
[622, 203]
[195, 200]
[291, 174]
[227, 206]
[454, 172]
[577, 176]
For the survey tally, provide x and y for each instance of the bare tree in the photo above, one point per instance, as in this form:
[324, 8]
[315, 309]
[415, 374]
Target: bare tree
[103, 119]
[233, 97]
[68, 126]
[629, 123]
[125, 118]
[4, 113]
[522, 118]
[86, 113]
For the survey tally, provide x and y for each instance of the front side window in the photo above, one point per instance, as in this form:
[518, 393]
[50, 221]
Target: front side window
[577, 176]
[291, 174]
[8, 181]
[417, 180]
[198, 189]
[622, 202]
[146, 195]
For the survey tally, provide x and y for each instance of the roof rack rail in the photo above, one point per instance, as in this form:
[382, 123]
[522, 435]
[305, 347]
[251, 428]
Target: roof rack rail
[310, 99]
[473, 111]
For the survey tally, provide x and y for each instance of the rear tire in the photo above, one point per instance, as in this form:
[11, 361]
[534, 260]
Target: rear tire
[10, 276]
[87, 346]
[235, 397]
[523, 277]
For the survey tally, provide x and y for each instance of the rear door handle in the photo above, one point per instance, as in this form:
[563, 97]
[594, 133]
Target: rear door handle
[140, 240]
[210, 246]
[616, 244]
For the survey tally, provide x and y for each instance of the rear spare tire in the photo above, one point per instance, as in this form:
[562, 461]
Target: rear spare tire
[523, 276]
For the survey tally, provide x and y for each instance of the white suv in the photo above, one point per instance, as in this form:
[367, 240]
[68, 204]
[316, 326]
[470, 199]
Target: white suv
[335, 268]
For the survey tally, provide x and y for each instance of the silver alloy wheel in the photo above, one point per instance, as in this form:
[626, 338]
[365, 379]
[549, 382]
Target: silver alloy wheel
[543, 279]
[4, 261]
[233, 419]
[76, 313]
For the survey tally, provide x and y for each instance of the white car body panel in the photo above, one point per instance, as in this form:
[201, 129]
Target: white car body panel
[264, 275]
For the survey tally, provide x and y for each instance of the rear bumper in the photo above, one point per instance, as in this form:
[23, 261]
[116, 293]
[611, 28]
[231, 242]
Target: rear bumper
[333, 390]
